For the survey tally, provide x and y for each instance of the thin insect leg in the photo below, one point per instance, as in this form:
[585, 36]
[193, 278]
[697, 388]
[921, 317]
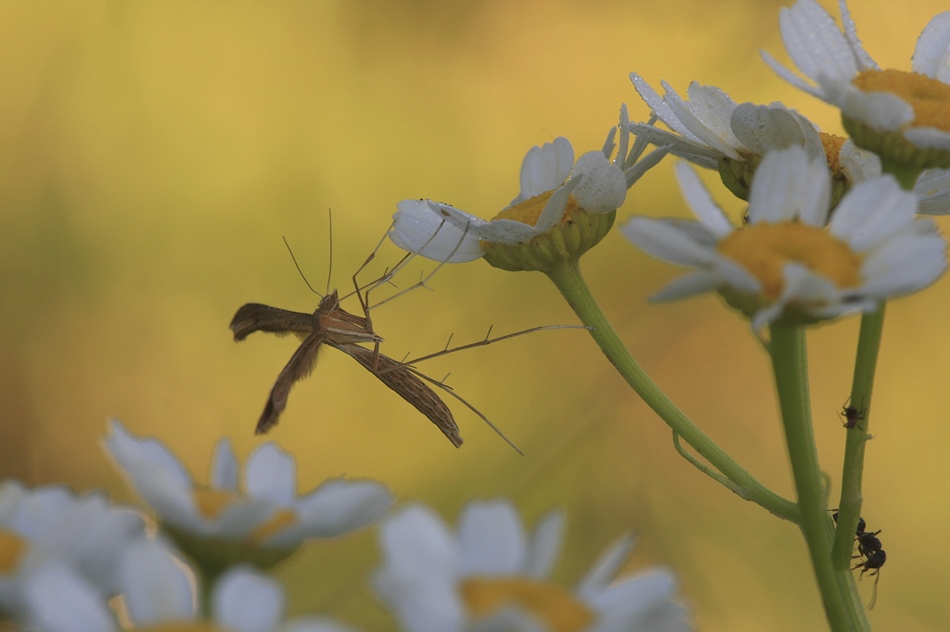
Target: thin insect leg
[450, 391]
[488, 341]
[422, 282]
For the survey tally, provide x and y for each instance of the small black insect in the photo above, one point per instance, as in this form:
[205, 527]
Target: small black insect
[870, 551]
[852, 415]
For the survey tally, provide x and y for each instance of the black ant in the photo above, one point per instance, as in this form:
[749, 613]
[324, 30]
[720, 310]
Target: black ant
[852, 415]
[870, 551]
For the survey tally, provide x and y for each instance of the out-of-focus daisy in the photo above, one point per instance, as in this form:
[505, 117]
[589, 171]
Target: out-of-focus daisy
[563, 209]
[159, 595]
[50, 525]
[785, 265]
[902, 116]
[261, 521]
[491, 576]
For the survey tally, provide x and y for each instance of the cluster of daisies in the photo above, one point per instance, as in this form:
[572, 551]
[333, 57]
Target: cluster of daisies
[832, 223]
[82, 564]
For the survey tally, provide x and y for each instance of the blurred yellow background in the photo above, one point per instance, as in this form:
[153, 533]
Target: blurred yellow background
[153, 154]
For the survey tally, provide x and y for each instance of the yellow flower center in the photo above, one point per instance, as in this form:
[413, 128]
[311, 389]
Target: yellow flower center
[552, 605]
[12, 548]
[929, 98]
[211, 503]
[832, 145]
[764, 249]
[529, 211]
[182, 626]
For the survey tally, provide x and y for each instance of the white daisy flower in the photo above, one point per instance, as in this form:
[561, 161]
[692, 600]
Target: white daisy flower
[713, 131]
[879, 107]
[50, 525]
[785, 265]
[261, 521]
[159, 595]
[491, 576]
[709, 126]
[557, 194]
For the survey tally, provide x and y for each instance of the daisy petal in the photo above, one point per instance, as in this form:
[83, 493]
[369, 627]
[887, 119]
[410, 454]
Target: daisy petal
[872, 212]
[339, 506]
[815, 43]
[271, 474]
[604, 571]
[492, 539]
[789, 186]
[932, 53]
[224, 467]
[688, 285]
[664, 240]
[546, 167]
[545, 545]
[156, 589]
[603, 188]
[763, 128]
[244, 600]
[661, 108]
[60, 600]
[702, 203]
[419, 228]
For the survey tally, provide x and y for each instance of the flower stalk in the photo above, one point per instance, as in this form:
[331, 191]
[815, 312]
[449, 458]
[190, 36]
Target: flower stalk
[790, 364]
[569, 281]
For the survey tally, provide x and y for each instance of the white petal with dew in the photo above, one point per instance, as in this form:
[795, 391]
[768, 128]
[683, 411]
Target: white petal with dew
[420, 229]
[881, 110]
[661, 108]
[788, 186]
[544, 545]
[815, 43]
[872, 212]
[932, 53]
[492, 540]
[58, 599]
[131, 451]
[546, 167]
[695, 152]
[554, 209]
[156, 588]
[702, 203]
[858, 164]
[862, 59]
[605, 570]
[762, 128]
[244, 600]
[685, 113]
[603, 187]
[791, 77]
[713, 108]
[663, 240]
[933, 191]
[271, 474]
[339, 506]
[224, 467]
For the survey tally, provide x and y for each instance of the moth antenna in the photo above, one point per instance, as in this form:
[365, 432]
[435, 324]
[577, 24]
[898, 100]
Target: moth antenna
[449, 341]
[302, 275]
[403, 361]
[330, 266]
[488, 333]
[445, 378]
[451, 392]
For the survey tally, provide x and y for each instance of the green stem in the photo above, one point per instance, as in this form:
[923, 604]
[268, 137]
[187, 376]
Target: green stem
[849, 506]
[568, 279]
[789, 362]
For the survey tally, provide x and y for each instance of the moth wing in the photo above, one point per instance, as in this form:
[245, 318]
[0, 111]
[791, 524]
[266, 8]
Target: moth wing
[399, 378]
[300, 365]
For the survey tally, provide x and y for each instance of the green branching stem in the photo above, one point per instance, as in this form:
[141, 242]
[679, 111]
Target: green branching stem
[789, 362]
[568, 279]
